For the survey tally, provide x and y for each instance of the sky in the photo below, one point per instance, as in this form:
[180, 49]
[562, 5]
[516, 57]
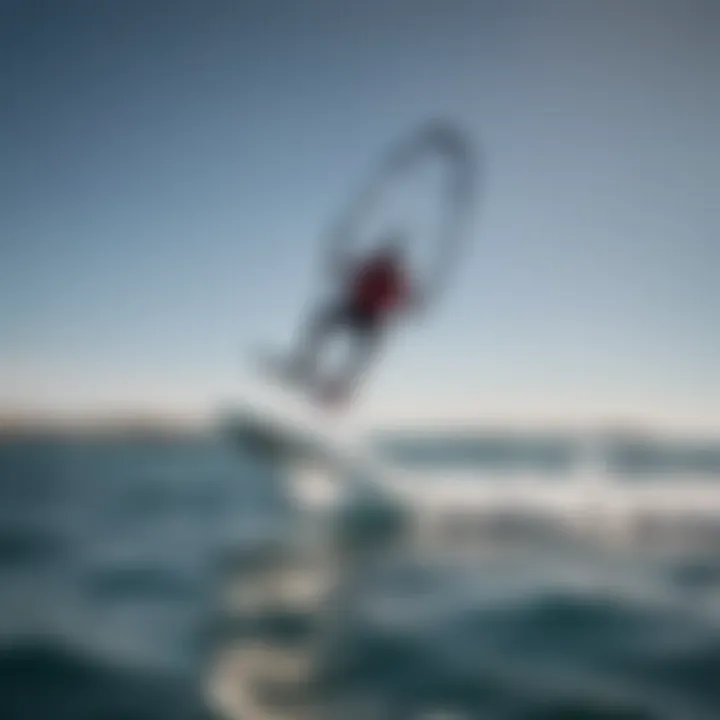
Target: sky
[168, 169]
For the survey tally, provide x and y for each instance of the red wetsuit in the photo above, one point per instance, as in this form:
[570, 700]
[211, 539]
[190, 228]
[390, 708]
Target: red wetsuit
[378, 287]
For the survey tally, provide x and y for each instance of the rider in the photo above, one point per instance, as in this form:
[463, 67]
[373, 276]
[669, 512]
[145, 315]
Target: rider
[375, 288]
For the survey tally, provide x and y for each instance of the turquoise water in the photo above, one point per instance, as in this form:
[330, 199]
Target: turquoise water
[624, 457]
[112, 554]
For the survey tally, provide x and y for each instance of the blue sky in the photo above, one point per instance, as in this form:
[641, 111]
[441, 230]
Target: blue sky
[167, 169]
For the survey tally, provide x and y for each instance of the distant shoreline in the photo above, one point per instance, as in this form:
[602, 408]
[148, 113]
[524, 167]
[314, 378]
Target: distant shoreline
[150, 425]
[120, 426]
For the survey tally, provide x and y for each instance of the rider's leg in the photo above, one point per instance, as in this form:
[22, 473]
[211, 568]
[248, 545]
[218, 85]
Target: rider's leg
[318, 329]
[367, 334]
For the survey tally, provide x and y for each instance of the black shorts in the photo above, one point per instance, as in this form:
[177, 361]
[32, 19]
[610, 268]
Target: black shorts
[357, 318]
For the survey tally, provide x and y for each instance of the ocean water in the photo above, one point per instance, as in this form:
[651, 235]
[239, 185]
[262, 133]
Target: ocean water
[116, 557]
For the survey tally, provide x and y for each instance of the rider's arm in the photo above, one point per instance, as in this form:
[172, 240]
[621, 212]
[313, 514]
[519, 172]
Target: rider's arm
[343, 266]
